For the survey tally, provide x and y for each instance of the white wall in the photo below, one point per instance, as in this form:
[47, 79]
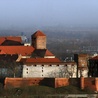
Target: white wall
[83, 73]
[49, 71]
[49, 56]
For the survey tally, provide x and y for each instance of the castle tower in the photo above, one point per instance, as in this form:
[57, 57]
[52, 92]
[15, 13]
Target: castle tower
[38, 40]
[82, 64]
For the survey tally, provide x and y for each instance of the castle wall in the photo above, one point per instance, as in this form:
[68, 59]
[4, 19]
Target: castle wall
[22, 82]
[49, 71]
[19, 82]
[59, 82]
[83, 83]
[90, 83]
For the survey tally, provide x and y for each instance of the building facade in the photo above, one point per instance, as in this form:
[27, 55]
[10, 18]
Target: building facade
[82, 64]
[48, 67]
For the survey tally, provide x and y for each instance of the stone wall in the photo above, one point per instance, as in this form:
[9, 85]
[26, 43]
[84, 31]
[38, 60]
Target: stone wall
[53, 71]
[41, 42]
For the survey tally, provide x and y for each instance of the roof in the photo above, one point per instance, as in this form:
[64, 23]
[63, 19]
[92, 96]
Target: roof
[16, 38]
[38, 33]
[40, 60]
[2, 52]
[23, 50]
[41, 53]
[94, 58]
[48, 53]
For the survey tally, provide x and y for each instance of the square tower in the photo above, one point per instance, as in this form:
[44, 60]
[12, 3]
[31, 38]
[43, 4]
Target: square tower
[38, 40]
[82, 64]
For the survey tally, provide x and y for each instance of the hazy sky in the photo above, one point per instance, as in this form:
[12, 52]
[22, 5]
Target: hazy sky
[38, 13]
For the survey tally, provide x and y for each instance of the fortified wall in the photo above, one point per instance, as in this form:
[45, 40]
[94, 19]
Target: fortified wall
[90, 83]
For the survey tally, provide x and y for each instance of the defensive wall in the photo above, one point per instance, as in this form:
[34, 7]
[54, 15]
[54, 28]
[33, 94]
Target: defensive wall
[91, 83]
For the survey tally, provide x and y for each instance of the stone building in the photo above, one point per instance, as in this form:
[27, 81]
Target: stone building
[82, 64]
[36, 60]
[48, 67]
[38, 40]
[43, 63]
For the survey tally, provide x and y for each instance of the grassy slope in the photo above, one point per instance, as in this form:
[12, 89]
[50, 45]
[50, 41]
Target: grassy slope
[41, 91]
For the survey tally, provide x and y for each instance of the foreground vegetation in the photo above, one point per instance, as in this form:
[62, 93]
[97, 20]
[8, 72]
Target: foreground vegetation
[40, 92]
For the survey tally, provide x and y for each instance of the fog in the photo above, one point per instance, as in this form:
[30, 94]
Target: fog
[27, 14]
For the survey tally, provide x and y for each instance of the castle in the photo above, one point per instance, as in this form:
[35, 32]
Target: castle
[36, 61]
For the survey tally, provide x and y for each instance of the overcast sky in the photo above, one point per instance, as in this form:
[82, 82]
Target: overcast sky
[39, 13]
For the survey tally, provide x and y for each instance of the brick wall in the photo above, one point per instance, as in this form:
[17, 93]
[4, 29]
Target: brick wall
[91, 83]
[59, 82]
[20, 82]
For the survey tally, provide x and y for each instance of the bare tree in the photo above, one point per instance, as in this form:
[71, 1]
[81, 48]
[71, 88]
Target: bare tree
[63, 71]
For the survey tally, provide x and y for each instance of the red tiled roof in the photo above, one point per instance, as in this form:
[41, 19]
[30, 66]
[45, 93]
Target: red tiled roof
[2, 52]
[38, 33]
[40, 60]
[41, 53]
[18, 39]
[23, 50]
[48, 53]
[94, 58]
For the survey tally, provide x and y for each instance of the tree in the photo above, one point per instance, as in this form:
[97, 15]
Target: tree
[64, 71]
[12, 68]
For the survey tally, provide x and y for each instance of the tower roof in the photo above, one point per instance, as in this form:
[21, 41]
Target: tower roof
[41, 53]
[38, 33]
